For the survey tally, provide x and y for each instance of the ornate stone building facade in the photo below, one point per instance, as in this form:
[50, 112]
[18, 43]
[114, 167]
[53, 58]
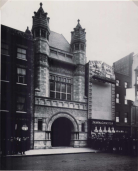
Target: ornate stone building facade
[60, 110]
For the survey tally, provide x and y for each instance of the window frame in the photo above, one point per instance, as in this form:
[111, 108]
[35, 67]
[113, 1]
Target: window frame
[21, 53]
[125, 100]
[126, 84]
[41, 125]
[21, 75]
[83, 127]
[118, 98]
[77, 45]
[117, 117]
[4, 48]
[60, 80]
[117, 83]
[126, 118]
[21, 103]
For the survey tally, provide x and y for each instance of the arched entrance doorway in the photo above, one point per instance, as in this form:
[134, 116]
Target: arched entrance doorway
[61, 132]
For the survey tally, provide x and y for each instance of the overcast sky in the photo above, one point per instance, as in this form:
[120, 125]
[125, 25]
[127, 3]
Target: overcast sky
[111, 27]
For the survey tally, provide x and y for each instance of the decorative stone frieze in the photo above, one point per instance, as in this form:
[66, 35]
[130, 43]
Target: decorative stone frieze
[60, 103]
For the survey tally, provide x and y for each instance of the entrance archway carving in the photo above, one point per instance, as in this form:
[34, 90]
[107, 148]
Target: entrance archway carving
[63, 115]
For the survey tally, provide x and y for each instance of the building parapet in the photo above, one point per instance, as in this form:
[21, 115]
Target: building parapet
[60, 103]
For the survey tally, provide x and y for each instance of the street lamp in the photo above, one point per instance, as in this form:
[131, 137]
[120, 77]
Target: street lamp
[24, 127]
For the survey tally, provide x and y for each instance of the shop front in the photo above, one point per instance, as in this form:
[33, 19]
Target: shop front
[101, 128]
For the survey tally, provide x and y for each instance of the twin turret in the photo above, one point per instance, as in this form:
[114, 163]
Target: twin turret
[78, 38]
[41, 24]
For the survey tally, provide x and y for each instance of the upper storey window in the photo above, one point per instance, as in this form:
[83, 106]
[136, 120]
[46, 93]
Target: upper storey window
[125, 84]
[117, 82]
[21, 75]
[21, 53]
[21, 103]
[60, 87]
[76, 46]
[117, 98]
[82, 47]
[137, 94]
[4, 49]
[37, 33]
[137, 80]
[43, 33]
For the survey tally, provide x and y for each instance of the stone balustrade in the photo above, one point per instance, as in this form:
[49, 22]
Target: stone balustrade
[60, 103]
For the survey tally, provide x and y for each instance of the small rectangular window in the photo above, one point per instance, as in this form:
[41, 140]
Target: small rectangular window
[76, 46]
[37, 33]
[21, 75]
[137, 80]
[125, 100]
[117, 116]
[125, 84]
[39, 124]
[52, 85]
[125, 117]
[117, 98]
[21, 53]
[21, 103]
[4, 49]
[43, 33]
[137, 94]
[117, 82]
[83, 127]
[82, 47]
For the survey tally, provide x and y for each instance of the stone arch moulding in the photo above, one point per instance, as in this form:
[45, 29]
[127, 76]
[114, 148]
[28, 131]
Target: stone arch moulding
[63, 115]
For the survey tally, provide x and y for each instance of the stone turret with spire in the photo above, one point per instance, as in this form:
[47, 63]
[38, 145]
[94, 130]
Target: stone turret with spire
[41, 24]
[78, 47]
[41, 32]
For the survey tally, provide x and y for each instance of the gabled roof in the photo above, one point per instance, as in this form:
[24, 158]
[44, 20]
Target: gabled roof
[58, 41]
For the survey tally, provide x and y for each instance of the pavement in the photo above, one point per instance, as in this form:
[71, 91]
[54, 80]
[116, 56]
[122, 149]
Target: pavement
[56, 150]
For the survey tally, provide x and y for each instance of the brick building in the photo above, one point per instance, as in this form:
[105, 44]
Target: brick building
[126, 110]
[16, 84]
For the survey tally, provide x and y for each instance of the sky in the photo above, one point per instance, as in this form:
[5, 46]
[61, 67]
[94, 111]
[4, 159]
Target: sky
[111, 26]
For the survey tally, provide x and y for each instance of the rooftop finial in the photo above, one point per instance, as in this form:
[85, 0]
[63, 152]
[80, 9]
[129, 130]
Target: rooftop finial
[41, 4]
[78, 21]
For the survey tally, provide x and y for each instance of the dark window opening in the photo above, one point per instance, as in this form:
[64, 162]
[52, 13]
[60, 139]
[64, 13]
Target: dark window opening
[76, 46]
[21, 53]
[37, 33]
[83, 127]
[40, 124]
[21, 75]
[117, 116]
[4, 49]
[125, 117]
[21, 103]
[43, 33]
[82, 47]
[4, 71]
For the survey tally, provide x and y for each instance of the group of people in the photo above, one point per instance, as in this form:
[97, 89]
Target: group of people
[15, 145]
[122, 145]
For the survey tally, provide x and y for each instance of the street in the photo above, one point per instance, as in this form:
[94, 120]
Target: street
[73, 162]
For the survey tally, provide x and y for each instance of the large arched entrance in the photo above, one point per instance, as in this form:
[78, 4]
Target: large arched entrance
[61, 132]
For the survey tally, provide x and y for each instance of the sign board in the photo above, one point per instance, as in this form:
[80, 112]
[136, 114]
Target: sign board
[99, 68]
